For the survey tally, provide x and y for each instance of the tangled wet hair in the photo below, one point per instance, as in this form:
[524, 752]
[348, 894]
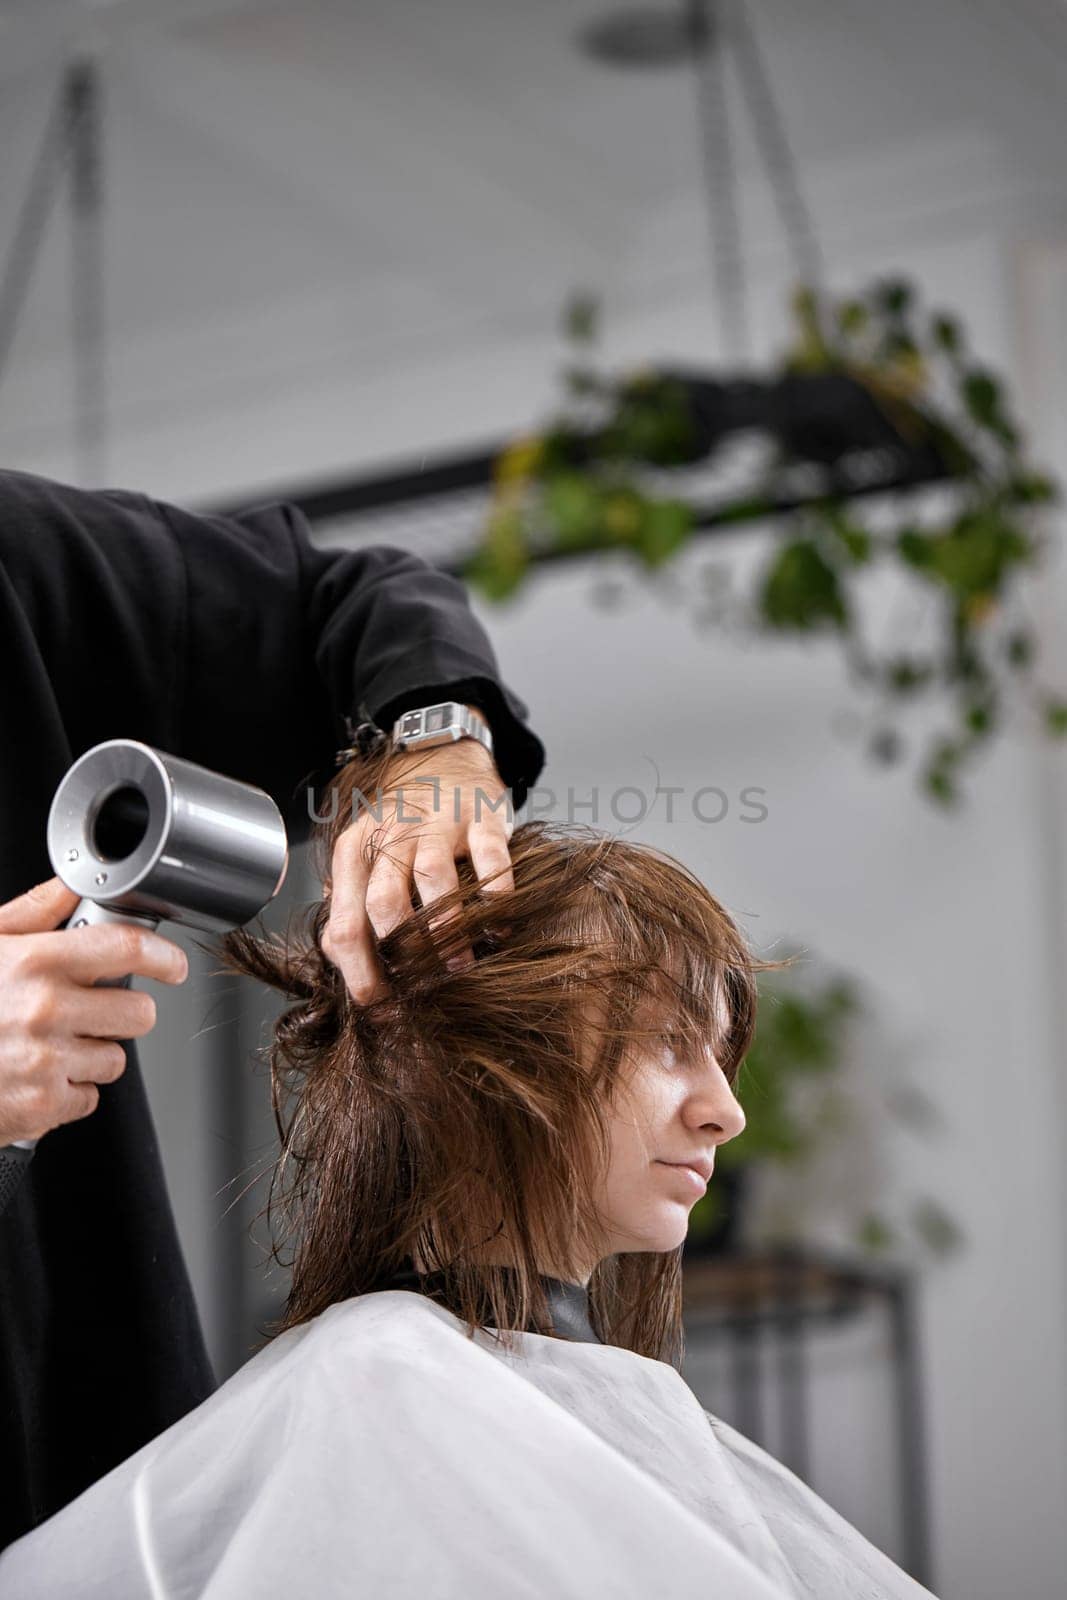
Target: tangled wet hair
[474, 1101]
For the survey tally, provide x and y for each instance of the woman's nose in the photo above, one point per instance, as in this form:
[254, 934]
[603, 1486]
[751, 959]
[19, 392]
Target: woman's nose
[733, 1122]
[715, 1106]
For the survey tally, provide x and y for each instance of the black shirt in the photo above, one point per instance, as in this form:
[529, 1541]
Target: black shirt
[238, 644]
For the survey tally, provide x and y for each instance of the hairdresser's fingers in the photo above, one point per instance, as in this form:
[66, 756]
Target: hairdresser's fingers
[44, 906]
[491, 859]
[80, 1100]
[435, 875]
[490, 856]
[94, 1061]
[348, 938]
[107, 950]
[71, 1010]
[388, 892]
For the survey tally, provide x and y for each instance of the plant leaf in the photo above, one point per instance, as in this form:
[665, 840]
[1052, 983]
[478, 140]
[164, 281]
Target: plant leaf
[801, 589]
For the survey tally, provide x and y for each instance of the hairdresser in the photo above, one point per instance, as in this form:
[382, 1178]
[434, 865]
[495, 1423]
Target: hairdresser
[235, 643]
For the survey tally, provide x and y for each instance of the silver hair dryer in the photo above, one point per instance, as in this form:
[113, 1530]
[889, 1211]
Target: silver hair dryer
[145, 837]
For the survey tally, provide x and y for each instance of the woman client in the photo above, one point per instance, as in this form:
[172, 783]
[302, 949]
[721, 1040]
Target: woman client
[485, 1180]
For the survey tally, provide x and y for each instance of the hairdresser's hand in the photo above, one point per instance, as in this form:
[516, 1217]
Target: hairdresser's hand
[59, 1035]
[365, 904]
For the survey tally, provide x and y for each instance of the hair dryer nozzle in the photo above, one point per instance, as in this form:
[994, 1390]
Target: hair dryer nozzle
[158, 837]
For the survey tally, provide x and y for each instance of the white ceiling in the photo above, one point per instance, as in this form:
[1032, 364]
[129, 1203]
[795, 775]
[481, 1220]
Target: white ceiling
[293, 184]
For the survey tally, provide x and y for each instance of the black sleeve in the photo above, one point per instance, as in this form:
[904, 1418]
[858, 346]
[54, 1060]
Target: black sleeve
[236, 642]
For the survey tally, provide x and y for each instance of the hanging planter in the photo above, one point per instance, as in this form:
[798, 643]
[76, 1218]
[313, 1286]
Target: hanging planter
[887, 445]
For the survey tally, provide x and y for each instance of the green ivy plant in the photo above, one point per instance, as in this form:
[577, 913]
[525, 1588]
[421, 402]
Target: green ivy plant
[581, 485]
[801, 1035]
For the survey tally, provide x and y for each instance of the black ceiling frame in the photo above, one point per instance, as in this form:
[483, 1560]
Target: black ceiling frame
[827, 423]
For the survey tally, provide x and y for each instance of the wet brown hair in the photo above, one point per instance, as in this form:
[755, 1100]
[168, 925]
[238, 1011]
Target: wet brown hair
[472, 1101]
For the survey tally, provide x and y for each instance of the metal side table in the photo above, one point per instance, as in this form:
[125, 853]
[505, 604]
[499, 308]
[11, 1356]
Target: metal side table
[742, 1299]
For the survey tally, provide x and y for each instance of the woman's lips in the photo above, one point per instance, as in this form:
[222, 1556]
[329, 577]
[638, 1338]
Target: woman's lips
[689, 1174]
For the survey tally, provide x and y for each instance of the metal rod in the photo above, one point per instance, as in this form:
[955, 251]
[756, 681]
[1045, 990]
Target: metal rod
[777, 155]
[87, 268]
[31, 221]
[792, 1365]
[719, 176]
[911, 1464]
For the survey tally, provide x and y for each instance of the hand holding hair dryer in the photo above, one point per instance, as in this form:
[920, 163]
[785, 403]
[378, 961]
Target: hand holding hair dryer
[146, 837]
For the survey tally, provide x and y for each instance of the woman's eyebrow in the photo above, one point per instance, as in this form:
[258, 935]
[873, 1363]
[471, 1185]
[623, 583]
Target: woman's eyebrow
[654, 1012]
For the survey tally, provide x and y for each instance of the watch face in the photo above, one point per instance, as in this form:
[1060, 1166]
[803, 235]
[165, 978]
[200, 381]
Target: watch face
[436, 719]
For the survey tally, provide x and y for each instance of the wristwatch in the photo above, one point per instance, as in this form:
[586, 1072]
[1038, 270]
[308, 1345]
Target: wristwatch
[440, 724]
[421, 727]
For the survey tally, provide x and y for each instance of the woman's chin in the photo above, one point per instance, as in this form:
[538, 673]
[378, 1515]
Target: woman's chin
[669, 1233]
[659, 1228]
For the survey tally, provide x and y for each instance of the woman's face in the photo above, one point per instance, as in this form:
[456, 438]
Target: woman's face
[673, 1109]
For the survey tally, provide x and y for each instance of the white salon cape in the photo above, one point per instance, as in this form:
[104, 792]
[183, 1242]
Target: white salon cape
[378, 1451]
